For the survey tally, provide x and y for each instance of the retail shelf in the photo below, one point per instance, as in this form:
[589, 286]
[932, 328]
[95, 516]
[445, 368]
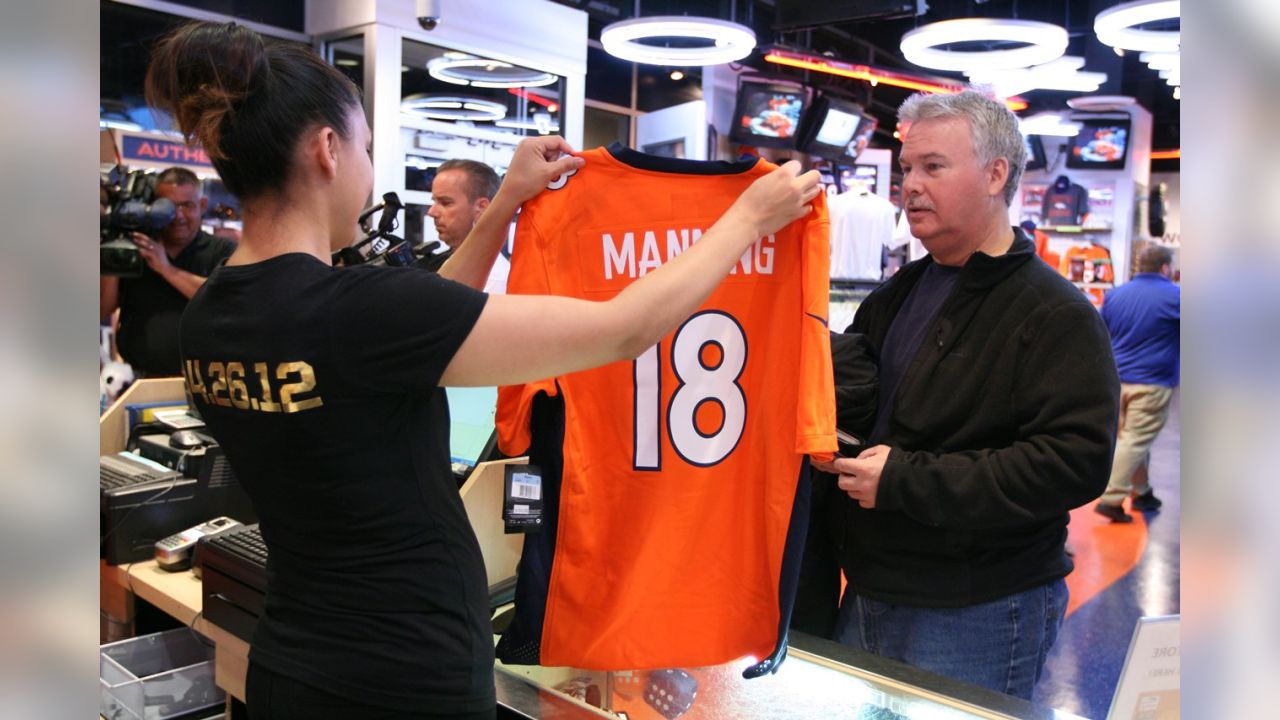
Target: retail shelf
[1093, 285]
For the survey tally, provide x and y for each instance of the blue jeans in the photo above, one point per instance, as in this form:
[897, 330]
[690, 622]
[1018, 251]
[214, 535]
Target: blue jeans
[1000, 645]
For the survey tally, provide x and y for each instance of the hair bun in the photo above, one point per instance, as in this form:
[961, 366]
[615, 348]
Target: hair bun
[201, 73]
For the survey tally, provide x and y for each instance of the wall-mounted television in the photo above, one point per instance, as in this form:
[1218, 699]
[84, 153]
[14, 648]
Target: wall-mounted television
[831, 128]
[1102, 144]
[862, 138]
[768, 113]
[855, 174]
[1036, 159]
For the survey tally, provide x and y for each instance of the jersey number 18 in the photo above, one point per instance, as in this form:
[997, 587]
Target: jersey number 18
[701, 379]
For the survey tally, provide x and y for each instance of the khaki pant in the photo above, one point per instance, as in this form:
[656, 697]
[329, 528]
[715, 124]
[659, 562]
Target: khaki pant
[1143, 411]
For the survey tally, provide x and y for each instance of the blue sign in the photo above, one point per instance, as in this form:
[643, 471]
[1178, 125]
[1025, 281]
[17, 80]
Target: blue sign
[163, 151]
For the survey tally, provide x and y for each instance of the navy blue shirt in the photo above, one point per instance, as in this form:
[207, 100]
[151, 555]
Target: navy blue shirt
[1144, 318]
[906, 333]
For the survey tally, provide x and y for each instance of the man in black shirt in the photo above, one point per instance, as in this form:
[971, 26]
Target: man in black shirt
[997, 407]
[178, 262]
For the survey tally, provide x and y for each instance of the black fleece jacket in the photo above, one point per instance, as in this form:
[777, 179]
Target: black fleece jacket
[1004, 421]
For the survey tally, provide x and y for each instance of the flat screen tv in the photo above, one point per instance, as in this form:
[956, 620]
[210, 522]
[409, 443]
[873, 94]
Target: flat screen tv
[830, 131]
[768, 113]
[855, 174]
[1102, 144]
[1035, 153]
[862, 138]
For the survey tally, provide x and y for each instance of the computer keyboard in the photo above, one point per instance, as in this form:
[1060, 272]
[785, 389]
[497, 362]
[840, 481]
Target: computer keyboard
[244, 543]
[116, 472]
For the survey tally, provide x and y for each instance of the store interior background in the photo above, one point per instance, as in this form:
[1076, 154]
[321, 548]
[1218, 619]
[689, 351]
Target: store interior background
[594, 99]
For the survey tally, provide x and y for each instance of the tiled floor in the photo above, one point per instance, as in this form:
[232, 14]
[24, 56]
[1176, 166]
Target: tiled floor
[1123, 572]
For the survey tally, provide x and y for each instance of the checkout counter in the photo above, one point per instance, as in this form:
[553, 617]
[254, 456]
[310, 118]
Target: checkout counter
[820, 678]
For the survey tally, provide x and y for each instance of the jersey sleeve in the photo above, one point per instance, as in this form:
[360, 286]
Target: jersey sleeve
[398, 328]
[528, 276]
[816, 409]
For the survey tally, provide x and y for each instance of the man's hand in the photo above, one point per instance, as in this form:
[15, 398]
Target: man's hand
[536, 163]
[158, 260]
[153, 252]
[860, 476]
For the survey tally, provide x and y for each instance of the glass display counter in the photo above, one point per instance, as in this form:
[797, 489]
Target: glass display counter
[820, 679]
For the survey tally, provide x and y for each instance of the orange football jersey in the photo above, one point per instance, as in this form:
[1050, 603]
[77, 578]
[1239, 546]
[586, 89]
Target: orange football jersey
[680, 468]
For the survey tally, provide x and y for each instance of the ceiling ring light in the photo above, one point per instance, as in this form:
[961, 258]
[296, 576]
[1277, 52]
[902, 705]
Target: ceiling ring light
[729, 40]
[451, 107]
[1065, 74]
[1045, 42]
[1118, 26]
[482, 73]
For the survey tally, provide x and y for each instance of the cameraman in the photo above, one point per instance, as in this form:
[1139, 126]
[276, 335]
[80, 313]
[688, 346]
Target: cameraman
[178, 262]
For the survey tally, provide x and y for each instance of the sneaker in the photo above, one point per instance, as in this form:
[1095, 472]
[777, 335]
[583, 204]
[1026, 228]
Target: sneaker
[1147, 501]
[1115, 512]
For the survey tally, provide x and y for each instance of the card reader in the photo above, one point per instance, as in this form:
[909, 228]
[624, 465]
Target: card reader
[174, 552]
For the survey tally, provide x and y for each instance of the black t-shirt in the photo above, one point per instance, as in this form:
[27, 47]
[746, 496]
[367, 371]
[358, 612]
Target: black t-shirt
[905, 335]
[321, 385]
[150, 308]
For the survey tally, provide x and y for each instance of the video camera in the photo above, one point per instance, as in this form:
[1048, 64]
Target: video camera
[379, 245]
[130, 205]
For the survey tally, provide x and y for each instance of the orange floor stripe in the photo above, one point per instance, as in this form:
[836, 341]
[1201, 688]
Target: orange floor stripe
[1104, 552]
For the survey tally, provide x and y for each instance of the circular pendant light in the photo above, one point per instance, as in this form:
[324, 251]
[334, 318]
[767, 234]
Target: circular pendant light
[727, 41]
[1118, 26]
[449, 107]
[1045, 42]
[1064, 74]
[482, 73]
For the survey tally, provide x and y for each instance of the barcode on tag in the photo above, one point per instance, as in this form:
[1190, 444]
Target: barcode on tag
[526, 487]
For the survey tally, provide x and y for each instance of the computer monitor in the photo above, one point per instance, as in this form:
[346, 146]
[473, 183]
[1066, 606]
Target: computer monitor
[471, 427]
[1102, 144]
[834, 124]
[1035, 153]
[768, 113]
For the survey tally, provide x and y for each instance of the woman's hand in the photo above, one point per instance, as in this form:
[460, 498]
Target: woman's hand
[536, 162]
[777, 199]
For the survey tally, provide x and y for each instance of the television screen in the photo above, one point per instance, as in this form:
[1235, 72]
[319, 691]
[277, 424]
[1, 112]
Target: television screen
[768, 113]
[1035, 153]
[837, 127]
[859, 174]
[1102, 144]
[861, 139]
[832, 128]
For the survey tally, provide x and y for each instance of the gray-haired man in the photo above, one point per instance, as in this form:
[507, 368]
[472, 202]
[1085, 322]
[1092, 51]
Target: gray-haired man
[997, 413]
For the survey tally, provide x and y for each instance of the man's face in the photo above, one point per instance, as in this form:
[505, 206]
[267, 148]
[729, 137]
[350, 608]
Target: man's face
[946, 192]
[191, 207]
[453, 211]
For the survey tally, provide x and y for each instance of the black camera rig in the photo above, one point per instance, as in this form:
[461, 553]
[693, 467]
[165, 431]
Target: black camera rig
[128, 205]
[380, 245]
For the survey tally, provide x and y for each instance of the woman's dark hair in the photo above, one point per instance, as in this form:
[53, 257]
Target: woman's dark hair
[245, 100]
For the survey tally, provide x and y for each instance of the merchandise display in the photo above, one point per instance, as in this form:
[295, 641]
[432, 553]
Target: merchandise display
[1090, 266]
[638, 457]
[1064, 203]
[862, 226]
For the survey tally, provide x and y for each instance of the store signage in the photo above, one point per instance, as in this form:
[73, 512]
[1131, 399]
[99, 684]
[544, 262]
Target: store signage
[163, 151]
[1151, 681]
